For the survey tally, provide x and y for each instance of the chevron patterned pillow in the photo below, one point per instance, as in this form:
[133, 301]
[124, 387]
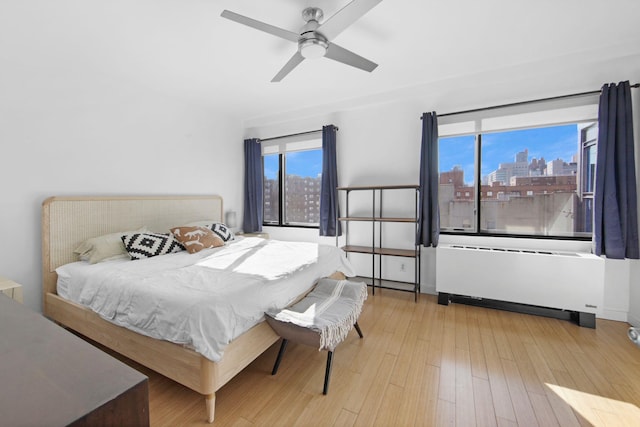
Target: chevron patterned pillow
[147, 245]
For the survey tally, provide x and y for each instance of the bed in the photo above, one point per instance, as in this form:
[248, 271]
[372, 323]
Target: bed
[69, 221]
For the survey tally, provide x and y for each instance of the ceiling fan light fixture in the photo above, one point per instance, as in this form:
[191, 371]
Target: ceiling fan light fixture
[313, 48]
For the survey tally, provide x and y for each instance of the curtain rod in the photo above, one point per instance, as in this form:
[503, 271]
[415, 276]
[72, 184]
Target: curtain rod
[292, 134]
[553, 98]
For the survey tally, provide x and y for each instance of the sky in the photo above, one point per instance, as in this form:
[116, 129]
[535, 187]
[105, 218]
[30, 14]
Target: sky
[301, 163]
[557, 142]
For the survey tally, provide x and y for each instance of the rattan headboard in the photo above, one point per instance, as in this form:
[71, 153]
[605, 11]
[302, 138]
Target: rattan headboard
[68, 221]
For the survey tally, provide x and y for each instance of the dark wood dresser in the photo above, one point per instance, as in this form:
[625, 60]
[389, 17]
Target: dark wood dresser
[50, 377]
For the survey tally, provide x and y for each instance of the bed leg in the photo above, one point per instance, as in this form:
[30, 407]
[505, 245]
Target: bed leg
[210, 400]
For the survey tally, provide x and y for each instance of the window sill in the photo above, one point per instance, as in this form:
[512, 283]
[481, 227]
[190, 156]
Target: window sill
[291, 226]
[519, 242]
[462, 232]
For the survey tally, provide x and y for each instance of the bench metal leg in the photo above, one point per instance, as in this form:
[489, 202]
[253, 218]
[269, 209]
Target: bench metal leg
[358, 330]
[327, 372]
[283, 347]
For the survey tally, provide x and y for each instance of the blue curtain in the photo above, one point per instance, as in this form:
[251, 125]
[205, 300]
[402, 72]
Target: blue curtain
[428, 212]
[328, 189]
[252, 220]
[615, 222]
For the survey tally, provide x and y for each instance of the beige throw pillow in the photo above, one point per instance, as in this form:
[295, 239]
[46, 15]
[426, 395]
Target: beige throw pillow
[102, 248]
[196, 238]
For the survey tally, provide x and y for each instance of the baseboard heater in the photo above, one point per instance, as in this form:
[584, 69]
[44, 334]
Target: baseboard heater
[566, 285]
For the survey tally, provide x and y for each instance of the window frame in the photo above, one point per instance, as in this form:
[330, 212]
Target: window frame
[470, 123]
[309, 144]
[585, 192]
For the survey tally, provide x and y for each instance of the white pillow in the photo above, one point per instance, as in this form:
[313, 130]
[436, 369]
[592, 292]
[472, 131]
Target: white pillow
[105, 247]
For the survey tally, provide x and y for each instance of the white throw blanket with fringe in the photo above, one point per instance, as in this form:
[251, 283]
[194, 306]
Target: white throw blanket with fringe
[331, 309]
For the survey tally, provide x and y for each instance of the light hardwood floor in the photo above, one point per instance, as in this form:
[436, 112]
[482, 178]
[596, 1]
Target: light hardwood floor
[424, 364]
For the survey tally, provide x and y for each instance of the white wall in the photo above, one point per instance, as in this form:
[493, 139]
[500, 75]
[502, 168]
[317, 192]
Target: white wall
[82, 112]
[379, 139]
[634, 294]
[634, 265]
[103, 141]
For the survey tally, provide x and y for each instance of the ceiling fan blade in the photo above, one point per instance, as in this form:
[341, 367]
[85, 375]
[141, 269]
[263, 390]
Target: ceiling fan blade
[345, 17]
[345, 56]
[295, 60]
[278, 32]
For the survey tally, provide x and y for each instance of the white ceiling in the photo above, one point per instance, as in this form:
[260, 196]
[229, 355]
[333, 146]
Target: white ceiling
[184, 48]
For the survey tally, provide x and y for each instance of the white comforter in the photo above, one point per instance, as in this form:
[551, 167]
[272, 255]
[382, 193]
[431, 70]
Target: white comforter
[202, 300]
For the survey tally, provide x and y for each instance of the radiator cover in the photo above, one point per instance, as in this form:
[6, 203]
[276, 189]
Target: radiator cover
[570, 281]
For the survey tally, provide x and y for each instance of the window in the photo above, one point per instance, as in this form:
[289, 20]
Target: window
[292, 170]
[457, 171]
[588, 138]
[271, 183]
[522, 173]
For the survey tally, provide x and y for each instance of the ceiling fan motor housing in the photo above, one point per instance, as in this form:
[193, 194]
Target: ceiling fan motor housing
[312, 14]
[311, 43]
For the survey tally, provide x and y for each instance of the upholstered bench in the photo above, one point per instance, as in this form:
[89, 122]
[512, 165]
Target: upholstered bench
[321, 319]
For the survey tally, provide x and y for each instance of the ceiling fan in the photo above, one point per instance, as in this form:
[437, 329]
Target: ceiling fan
[314, 39]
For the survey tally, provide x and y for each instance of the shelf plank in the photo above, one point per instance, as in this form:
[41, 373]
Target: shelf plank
[407, 253]
[376, 219]
[380, 187]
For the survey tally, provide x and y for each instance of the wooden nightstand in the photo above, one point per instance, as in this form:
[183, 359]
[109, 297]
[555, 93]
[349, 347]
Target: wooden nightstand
[261, 234]
[11, 289]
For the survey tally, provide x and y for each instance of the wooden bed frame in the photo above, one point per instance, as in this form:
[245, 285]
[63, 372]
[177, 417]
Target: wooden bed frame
[68, 221]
